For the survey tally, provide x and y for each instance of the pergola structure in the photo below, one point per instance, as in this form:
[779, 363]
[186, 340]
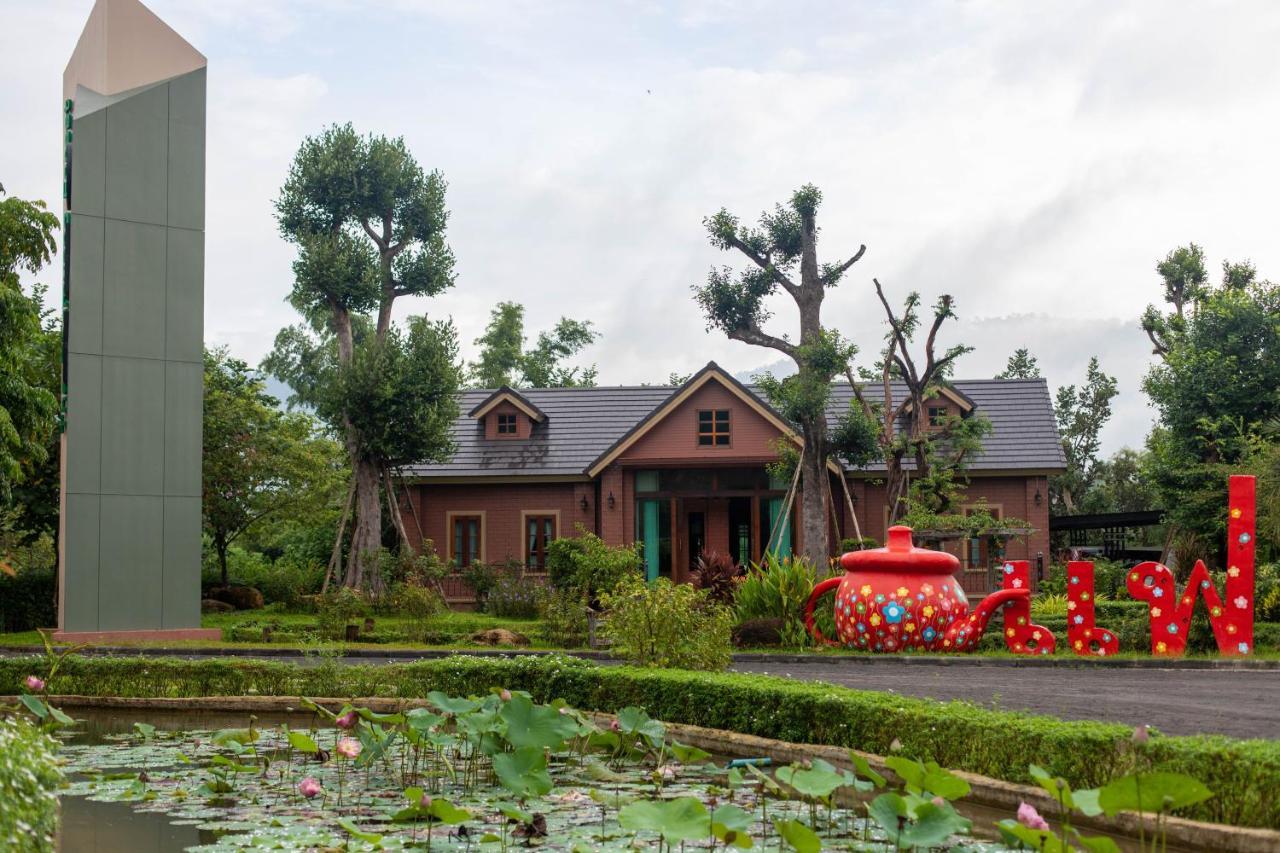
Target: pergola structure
[1115, 527]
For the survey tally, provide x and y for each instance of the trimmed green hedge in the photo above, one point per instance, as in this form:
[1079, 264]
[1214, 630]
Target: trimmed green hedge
[958, 735]
[29, 781]
[27, 601]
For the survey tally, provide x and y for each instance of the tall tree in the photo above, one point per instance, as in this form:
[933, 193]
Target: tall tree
[902, 428]
[28, 408]
[505, 361]
[783, 255]
[369, 226]
[1216, 387]
[1021, 365]
[259, 462]
[1081, 414]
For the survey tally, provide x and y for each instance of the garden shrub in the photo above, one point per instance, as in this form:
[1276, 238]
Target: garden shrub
[958, 735]
[564, 618]
[665, 624]
[778, 588]
[287, 581]
[28, 600]
[339, 608]
[851, 543]
[587, 565]
[718, 575]
[514, 595]
[29, 782]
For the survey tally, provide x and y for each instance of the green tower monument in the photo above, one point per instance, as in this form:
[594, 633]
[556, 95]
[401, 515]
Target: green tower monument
[133, 312]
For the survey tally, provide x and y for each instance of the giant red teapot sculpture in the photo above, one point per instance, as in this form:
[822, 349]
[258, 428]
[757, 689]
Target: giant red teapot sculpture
[903, 597]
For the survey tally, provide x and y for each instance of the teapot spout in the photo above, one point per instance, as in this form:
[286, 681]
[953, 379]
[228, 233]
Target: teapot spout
[964, 634]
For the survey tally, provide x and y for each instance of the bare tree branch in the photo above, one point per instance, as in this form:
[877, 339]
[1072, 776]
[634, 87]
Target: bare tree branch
[765, 262]
[834, 274]
[755, 335]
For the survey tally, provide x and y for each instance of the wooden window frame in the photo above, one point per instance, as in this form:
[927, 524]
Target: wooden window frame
[507, 419]
[943, 413]
[449, 518]
[715, 434]
[525, 515]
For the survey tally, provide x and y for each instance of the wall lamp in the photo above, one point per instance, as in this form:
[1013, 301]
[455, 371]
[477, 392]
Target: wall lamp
[611, 500]
[1039, 499]
[583, 503]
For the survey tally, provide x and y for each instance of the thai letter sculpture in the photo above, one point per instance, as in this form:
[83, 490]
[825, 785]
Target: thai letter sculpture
[903, 597]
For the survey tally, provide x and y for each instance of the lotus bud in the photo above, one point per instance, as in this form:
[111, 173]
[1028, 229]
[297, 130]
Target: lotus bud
[34, 684]
[425, 802]
[505, 695]
[1030, 818]
[309, 787]
[347, 720]
[1140, 734]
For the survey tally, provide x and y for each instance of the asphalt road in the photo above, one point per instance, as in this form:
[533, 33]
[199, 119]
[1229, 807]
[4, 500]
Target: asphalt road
[1240, 703]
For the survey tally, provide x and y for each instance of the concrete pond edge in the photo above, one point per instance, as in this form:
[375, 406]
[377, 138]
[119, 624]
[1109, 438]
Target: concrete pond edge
[985, 791]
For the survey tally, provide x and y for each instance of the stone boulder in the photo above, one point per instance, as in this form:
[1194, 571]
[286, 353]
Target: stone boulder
[239, 597]
[499, 637]
[212, 605]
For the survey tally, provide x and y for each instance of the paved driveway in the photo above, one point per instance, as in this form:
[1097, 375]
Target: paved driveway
[1241, 703]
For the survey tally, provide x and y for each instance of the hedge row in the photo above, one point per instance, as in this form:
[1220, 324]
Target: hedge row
[27, 601]
[958, 735]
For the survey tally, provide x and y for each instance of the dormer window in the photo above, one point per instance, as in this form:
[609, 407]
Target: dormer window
[713, 428]
[507, 424]
[937, 416]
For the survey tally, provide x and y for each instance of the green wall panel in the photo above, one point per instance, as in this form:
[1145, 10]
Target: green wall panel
[84, 424]
[181, 561]
[137, 164]
[87, 246]
[183, 407]
[133, 290]
[132, 553]
[184, 299]
[80, 563]
[186, 150]
[88, 164]
[132, 426]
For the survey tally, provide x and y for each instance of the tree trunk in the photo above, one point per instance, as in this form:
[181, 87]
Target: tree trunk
[366, 537]
[813, 497]
[220, 543]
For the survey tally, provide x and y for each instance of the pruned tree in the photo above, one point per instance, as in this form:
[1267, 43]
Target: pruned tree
[903, 428]
[369, 226]
[505, 361]
[783, 255]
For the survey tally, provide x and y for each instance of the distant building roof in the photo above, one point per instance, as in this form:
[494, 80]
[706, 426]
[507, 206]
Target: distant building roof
[582, 424]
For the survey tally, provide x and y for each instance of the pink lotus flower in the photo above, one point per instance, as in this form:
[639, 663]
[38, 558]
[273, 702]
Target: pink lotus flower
[347, 720]
[614, 726]
[505, 695]
[348, 748]
[1140, 734]
[1030, 818]
[34, 684]
[425, 802]
[309, 787]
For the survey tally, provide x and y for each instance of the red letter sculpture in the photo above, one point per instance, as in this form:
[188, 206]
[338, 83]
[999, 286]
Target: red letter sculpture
[1021, 635]
[1085, 636]
[1233, 622]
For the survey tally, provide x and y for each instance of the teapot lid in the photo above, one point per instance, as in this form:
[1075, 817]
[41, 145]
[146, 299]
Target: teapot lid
[899, 555]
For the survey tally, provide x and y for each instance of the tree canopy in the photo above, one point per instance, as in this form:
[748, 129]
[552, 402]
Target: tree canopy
[505, 361]
[1081, 413]
[1021, 365]
[259, 462]
[28, 406]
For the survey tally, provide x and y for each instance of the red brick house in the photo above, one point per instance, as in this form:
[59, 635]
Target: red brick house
[682, 470]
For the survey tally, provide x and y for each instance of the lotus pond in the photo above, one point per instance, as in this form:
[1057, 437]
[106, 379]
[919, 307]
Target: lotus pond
[488, 773]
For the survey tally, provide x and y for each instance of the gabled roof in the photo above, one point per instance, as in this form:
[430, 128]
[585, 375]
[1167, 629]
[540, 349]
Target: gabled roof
[583, 424]
[711, 373]
[506, 394]
[962, 400]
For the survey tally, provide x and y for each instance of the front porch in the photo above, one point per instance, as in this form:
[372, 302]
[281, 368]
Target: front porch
[682, 512]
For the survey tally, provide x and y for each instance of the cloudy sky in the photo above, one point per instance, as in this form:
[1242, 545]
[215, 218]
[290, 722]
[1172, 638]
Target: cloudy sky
[1033, 159]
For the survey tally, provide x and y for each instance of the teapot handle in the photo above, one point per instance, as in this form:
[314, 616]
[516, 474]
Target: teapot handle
[824, 586]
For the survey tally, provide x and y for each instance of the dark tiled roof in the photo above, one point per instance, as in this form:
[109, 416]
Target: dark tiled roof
[1023, 433]
[582, 423]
